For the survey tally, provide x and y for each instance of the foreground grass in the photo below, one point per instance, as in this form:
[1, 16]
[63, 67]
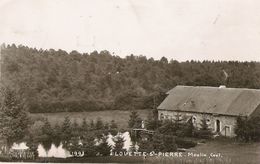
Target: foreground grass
[108, 159]
[231, 153]
[121, 117]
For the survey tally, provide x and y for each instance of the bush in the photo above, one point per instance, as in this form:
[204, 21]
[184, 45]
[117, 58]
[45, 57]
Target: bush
[134, 121]
[119, 144]
[204, 132]
[162, 142]
[185, 143]
[145, 146]
[248, 129]
[104, 148]
[169, 143]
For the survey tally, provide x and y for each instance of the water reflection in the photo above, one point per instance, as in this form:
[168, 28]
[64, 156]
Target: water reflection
[57, 149]
[54, 151]
[20, 146]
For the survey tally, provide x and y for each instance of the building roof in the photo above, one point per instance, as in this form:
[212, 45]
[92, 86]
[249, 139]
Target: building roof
[215, 100]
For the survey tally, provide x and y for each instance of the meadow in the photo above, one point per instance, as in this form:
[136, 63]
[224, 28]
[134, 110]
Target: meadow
[120, 117]
[231, 152]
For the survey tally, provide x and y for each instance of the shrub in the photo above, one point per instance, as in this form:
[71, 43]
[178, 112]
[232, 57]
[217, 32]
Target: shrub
[104, 148]
[145, 146]
[113, 124]
[134, 120]
[66, 130]
[204, 132]
[189, 129]
[99, 124]
[248, 129]
[169, 143]
[162, 142]
[185, 143]
[119, 144]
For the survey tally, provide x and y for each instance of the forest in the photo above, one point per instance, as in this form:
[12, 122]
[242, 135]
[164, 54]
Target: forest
[59, 81]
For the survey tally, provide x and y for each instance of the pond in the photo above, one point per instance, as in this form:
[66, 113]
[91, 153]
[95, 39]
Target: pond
[61, 152]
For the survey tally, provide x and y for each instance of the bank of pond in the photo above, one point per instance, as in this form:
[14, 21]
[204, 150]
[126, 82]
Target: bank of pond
[104, 146]
[62, 150]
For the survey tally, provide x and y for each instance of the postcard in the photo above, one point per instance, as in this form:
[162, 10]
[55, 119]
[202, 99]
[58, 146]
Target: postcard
[130, 81]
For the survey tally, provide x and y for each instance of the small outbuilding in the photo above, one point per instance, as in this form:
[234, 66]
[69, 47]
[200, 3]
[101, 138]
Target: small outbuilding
[219, 105]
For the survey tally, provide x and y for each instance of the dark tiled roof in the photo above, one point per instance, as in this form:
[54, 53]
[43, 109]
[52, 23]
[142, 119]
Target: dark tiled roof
[226, 101]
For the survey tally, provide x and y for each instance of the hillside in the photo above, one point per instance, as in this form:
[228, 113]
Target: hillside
[57, 81]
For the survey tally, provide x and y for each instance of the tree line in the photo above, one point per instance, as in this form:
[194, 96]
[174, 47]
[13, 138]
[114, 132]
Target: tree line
[58, 81]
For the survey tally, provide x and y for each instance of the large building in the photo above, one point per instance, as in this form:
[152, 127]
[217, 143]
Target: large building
[219, 105]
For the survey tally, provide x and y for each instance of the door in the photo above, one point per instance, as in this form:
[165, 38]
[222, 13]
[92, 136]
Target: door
[217, 126]
[227, 131]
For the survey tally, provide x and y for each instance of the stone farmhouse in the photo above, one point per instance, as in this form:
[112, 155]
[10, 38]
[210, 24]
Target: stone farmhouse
[219, 105]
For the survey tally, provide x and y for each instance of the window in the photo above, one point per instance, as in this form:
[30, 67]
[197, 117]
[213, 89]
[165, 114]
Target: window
[194, 119]
[166, 117]
[208, 121]
[180, 117]
[161, 116]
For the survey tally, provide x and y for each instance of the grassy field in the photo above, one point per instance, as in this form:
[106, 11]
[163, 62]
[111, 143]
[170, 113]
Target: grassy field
[230, 153]
[237, 152]
[121, 117]
[107, 159]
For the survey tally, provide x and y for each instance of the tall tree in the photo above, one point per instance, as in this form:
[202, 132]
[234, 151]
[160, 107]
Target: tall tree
[66, 129]
[113, 124]
[158, 143]
[56, 134]
[119, 144]
[13, 117]
[92, 125]
[104, 148]
[89, 145]
[151, 122]
[134, 121]
[99, 124]
[76, 129]
[47, 129]
[84, 125]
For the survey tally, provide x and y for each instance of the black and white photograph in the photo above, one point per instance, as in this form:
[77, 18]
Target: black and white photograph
[130, 81]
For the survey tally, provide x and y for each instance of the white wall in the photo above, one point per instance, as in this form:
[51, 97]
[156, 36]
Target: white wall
[225, 121]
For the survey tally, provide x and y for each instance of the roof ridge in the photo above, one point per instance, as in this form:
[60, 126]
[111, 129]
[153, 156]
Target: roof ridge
[212, 87]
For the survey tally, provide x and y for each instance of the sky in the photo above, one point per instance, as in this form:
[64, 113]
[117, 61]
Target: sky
[177, 29]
